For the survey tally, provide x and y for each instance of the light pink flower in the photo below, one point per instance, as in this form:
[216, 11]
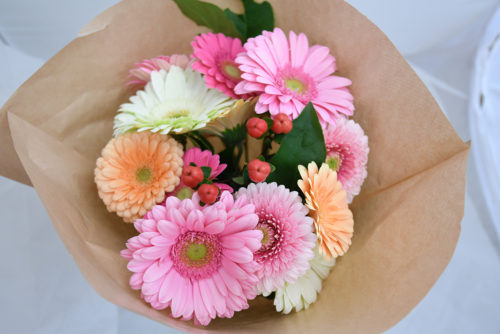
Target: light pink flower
[196, 260]
[140, 75]
[288, 242]
[215, 54]
[347, 153]
[288, 74]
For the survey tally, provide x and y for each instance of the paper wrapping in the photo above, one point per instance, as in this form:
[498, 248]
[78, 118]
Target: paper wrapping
[407, 217]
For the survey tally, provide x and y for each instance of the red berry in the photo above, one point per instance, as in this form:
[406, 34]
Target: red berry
[256, 127]
[282, 124]
[192, 176]
[208, 193]
[258, 170]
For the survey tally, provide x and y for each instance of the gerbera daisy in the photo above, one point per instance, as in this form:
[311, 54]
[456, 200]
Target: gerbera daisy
[196, 260]
[177, 101]
[287, 245]
[288, 74]
[215, 54]
[327, 201]
[303, 293]
[135, 170]
[347, 154]
[141, 74]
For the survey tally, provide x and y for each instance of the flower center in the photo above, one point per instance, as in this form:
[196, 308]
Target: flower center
[177, 113]
[337, 156]
[184, 193]
[143, 175]
[196, 254]
[231, 70]
[334, 162]
[295, 85]
[271, 241]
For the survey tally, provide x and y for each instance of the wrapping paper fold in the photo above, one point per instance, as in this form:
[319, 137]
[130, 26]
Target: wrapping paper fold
[407, 218]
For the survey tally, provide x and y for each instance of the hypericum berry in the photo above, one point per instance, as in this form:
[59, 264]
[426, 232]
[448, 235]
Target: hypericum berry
[282, 124]
[258, 170]
[256, 127]
[208, 193]
[192, 176]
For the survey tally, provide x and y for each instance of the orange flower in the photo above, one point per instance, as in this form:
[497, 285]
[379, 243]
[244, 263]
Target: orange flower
[135, 170]
[327, 201]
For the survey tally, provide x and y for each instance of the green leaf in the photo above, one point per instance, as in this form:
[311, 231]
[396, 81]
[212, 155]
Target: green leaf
[273, 167]
[269, 121]
[239, 180]
[200, 141]
[206, 171]
[208, 15]
[305, 143]
[233, 139]
[256, 18]
[238, 21]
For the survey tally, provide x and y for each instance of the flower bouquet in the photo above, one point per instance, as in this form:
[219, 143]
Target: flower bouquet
[237, 162]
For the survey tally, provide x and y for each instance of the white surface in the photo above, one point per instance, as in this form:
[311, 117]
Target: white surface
[41, 289]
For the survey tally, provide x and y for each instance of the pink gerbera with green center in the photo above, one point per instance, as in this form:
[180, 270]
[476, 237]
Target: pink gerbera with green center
[287, 74]
[347, 154]
[288, 239]
[196, 260]
[215, 54]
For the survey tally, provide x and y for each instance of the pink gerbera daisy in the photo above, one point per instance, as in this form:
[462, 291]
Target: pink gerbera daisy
[140, 75]
[196, 260]
[287, 74]
[215, 54]
[347, 154]
[288, 242]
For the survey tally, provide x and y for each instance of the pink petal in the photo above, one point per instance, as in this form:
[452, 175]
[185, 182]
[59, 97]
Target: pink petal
[157, 270]
[242, 255]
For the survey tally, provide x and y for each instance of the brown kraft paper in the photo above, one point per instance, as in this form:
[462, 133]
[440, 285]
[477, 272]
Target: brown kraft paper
[407, 217]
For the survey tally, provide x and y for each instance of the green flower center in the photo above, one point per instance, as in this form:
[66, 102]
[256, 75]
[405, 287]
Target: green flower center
[143, 175]
[231, 70]
[196, 252]
[185, 193]
[333, 163]
[295, 85]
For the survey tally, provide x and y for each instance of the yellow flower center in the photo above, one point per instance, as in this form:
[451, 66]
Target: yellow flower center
[265, 238]
[177, 113]
[143, 175]
[295, 85]
[231, 70]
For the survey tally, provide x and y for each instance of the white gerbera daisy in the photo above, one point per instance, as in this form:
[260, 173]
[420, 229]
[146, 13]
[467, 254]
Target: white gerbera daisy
[304, 291]
[177, 101]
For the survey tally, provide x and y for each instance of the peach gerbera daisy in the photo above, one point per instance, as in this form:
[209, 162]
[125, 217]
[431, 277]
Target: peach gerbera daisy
[327, 202]
[136, 170]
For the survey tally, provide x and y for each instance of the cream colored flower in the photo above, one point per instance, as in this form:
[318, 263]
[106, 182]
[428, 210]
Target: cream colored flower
[177, 101]
[304, 291]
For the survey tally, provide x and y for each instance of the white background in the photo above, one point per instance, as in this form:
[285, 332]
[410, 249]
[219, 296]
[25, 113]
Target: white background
[41, 288]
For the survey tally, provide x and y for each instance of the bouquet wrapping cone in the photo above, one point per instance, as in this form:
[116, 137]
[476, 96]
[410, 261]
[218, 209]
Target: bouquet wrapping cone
[407, 218]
